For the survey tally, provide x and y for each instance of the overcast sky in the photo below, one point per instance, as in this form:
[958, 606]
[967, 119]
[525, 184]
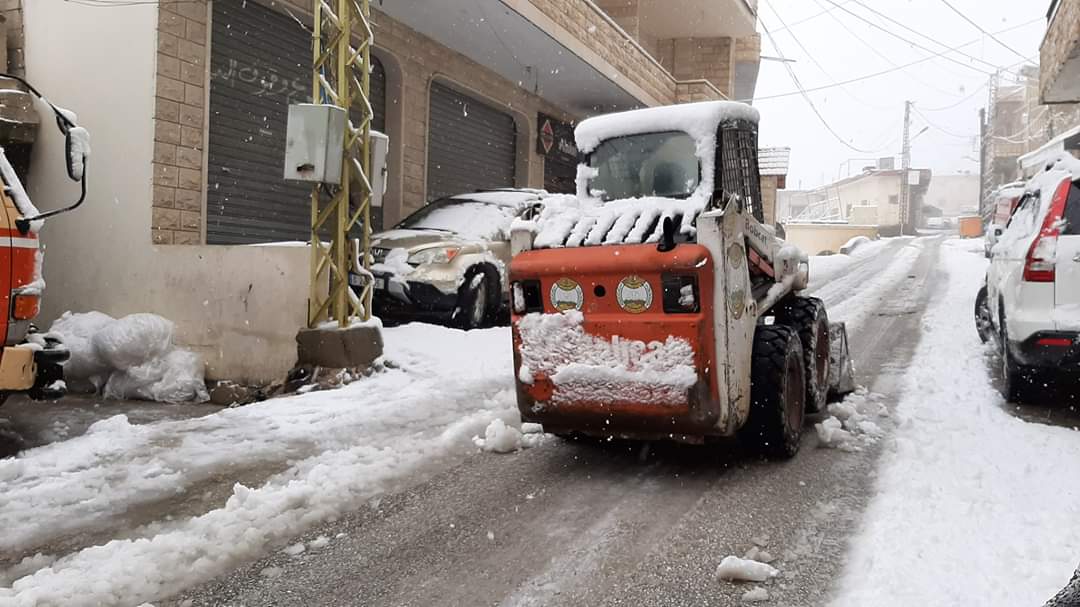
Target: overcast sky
[868, 115]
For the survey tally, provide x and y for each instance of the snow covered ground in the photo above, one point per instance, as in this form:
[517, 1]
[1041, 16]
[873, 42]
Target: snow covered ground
[336, 449]
[974, 506]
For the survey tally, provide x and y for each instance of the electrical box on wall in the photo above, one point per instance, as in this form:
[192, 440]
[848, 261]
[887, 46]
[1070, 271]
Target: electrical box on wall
[314, 143]
[380, 144]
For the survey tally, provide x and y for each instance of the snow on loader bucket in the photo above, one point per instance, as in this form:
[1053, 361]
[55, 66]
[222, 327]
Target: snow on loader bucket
[655, 304]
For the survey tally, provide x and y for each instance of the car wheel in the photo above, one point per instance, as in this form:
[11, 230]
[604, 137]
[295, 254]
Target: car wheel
[1017, 379]
[777, 393]
[984, 324]
[475, 301]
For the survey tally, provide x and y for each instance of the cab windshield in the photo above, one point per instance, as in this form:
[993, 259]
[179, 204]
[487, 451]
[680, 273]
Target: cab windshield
[652, 164]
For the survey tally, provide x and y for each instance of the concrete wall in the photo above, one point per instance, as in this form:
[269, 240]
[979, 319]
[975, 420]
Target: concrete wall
[815, 238]
[239, 306]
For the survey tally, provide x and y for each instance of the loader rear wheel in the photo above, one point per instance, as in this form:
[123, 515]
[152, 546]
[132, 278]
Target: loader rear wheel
[777, 393]
[807, 316]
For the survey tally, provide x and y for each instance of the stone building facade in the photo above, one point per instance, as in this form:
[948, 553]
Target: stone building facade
[167, 128]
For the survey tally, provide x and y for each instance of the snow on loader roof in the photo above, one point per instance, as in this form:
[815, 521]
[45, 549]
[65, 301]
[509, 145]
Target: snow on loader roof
[584, 219]
[699, 120]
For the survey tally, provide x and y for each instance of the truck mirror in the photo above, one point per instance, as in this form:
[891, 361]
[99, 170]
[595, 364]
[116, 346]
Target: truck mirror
[77, 149]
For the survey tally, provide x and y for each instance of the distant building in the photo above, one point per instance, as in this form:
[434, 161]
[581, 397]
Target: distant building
[773, 166]
[954, 195]
[870, 198]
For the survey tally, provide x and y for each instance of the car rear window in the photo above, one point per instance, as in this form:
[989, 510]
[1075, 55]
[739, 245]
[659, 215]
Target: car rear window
[1072, 210]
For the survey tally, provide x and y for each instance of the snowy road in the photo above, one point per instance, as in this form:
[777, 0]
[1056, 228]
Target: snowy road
[580, 524]
[381, 499]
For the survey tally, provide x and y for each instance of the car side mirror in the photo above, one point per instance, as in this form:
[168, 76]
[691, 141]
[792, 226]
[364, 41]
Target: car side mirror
[998, 232]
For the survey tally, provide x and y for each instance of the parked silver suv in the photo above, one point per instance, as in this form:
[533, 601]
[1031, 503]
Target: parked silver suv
[447, 262]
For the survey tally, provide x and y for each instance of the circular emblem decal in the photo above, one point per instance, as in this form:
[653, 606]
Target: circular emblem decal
[566, 295]
[634, 294]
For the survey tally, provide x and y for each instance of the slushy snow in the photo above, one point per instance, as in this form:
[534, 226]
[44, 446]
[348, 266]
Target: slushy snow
[973, 506]
[850, 425]
[336, 450]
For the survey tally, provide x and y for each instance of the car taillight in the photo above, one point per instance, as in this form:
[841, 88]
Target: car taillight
[1040, 265]
[525, 297]
[681, 293]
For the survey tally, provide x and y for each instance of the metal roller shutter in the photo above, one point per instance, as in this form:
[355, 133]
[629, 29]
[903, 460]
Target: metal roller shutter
[260, 63]
[471, 145]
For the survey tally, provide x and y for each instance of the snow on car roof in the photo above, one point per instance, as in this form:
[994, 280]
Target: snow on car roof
[699, 120]
[510, 198]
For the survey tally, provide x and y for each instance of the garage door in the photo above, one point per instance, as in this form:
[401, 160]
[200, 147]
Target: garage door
[470, 145]
[260, 63]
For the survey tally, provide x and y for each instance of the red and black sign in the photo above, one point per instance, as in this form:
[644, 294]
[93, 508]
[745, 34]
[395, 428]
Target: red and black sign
[555, 138]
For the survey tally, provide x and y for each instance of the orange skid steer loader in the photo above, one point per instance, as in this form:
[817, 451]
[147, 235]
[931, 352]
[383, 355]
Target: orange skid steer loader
[655, 305]
[31, 362]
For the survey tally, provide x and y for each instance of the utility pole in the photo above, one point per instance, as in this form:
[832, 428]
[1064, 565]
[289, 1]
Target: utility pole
[341, 77]
[906, 216]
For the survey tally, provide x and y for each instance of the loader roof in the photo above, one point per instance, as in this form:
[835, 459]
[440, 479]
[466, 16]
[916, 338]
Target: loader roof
[699, 120]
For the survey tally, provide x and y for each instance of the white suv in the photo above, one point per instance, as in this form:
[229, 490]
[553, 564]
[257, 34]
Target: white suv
[1031, 301]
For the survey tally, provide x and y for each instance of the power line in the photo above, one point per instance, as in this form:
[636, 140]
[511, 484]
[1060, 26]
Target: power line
[939, 128]
[811, 17]
[909, 41]
[961, 102]
[805, 96]
[818, 63]
[877, 52]
[931, 57]
[980, 28]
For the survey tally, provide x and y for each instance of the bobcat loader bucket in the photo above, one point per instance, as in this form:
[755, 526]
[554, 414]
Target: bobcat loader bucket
[841, 369]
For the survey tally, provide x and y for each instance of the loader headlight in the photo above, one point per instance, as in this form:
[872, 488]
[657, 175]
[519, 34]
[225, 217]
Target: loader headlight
[525, 296]
[681, 294]
[433, 255]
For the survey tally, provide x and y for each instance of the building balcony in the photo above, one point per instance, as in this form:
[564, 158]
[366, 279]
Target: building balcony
[1059, 80]
[585, 57]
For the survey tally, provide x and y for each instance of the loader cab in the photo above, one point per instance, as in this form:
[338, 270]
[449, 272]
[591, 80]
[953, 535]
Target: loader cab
[667, 164]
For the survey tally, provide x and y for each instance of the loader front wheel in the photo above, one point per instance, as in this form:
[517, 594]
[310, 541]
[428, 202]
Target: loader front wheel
[777, 393]
[807, 316]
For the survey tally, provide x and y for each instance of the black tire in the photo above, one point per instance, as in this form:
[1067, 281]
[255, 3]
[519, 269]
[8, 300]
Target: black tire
[807, 316]
[777, 393]
[984, 323]
[1017, 379]
[474, 301]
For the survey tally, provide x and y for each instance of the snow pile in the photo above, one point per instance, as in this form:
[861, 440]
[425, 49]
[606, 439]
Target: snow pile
[735, 569]
[502, 438]
[850, 425]
[337, 449]
[972, 506]
[129, 358]
[850, 246]
[586, 367]
[824, 268]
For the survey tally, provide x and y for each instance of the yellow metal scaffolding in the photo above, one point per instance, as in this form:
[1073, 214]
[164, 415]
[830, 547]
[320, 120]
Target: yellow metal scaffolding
[341, 76]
